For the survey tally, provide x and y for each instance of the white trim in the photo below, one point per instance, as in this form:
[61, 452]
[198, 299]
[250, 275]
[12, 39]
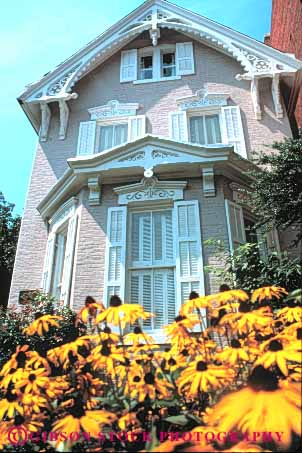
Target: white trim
[229, 203]
[160, 79]
[113, 109]
[65, 211]
[121, 284]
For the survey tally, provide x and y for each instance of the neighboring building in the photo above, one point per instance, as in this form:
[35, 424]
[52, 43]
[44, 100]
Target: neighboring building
[286, 35]
[145, 140]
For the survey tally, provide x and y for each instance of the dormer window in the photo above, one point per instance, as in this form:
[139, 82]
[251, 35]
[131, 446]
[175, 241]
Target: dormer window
[205, 129]
[111, 135]
[154, 64]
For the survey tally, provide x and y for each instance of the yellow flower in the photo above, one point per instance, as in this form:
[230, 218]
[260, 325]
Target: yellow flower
[277, 355]
[69, 353]
[233, 354]
[233, 295]
[10, 406]
[105, 357]
[246, 321]
[90, 311]
[195, 304]
[34, 404]
[202, 377]
[261, 406]
[88, 421]
[268, 292]
[290, 314]
[17, 360]
[42, 324]
[120, 314]
[138, 337]
[33, 381]
[128, 421]
[150, 385]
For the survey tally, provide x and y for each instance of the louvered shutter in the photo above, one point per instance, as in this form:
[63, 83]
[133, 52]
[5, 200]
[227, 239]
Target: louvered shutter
[86, 140]
[178, 126]
[141, 239]
[184, 58]
[68, 259]
[115, 253]
[189, 267]
[136, 127]
[58, 266]
[268, 241]
[48, 263]
[128, 72]
[163, 249]
[235, 222]
[233, 130]
[141, 292]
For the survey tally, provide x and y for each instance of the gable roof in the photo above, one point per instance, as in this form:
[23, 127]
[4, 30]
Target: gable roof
[255, 57]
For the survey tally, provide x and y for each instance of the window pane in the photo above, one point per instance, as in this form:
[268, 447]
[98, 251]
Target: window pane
[197, 130]
[120, 134]
[146, 67]
[213, 129]
[168, 64]
[106, 137]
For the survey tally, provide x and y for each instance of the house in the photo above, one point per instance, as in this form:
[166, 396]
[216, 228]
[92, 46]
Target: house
[145, 138]
[286, 35]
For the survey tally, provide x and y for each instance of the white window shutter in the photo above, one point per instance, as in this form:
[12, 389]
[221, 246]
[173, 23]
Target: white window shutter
[128, 71]
[184, 58]
[115, 253]
[235, 223]
[178, 126]
[233, 130]
[68, 259]
[268, 241]
[86, 140]
[58, 264]
[189, 263]
[136, 127]
[48, 263]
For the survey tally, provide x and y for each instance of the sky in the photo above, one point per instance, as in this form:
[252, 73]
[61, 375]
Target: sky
[36, 36]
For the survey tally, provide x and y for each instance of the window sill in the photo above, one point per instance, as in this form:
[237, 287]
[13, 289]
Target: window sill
[162, 79]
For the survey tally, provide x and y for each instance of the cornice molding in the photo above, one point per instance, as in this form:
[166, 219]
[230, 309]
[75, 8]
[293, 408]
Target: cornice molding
[113, 109]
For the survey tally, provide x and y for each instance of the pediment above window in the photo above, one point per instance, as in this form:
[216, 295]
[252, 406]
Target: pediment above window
[150, 189]
[203, 99]
[113, 109]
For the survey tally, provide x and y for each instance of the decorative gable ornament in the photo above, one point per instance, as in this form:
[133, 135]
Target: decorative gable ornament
[257, 59]
[150, 189]
[113, 109]
[203, 99]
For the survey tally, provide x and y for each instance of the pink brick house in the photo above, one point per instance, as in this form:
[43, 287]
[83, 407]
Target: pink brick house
[145, 136]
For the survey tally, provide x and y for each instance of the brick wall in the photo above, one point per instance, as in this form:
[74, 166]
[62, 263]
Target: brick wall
[286, 34]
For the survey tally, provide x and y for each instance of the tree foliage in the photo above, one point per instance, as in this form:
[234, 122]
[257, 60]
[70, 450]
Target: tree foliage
[277, 189]
[9, 232]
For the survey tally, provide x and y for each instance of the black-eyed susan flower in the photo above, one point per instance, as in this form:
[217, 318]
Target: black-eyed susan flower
[290, 314]
[17, 360]
[34, 404]
[105, 357]
[42, 324]
[33, 381]
[194, 304]
[262, 406]
[138, 337]
[149, 385]
[268, 292]
[69, 353]
[276, 352]
[233, 295]
[10, 405]
[233, 354]
[201, 376]
[120, 314]
[78, 420]
[90, 311]
[246, 321]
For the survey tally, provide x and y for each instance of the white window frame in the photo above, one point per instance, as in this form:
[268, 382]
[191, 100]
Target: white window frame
[236, 206]
[121, 120]
[156, 53]
[158, 334]
[203, 113]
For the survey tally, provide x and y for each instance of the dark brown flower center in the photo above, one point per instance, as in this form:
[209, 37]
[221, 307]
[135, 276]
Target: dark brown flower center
[21, 359]
[171, 362]
[262, 379]
[115, 301]
[185, 352]
[193, 295]
[105, 351]
[235, 344]
[180, 318]
[11, 397]
[244, 307]
[137, 330]
[107, 330]
[19, 420]
[149, 379]
[299, 334]
[32, 377]
[275, 345]
[136, 379]
[201, 366]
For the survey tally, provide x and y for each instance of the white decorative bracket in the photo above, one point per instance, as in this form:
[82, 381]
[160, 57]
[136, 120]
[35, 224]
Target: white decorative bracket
[150, 189]
[276, 95]
[94, 198]
[203, 99]
[113, 109]
[208, 181]
[45, 121]
[154, 35]
[256, 97]
[64, 115]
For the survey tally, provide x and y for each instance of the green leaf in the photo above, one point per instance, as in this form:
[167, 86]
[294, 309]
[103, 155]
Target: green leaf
[181, 420]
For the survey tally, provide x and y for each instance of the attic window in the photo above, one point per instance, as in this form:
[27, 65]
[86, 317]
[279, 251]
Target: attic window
[153, 64]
